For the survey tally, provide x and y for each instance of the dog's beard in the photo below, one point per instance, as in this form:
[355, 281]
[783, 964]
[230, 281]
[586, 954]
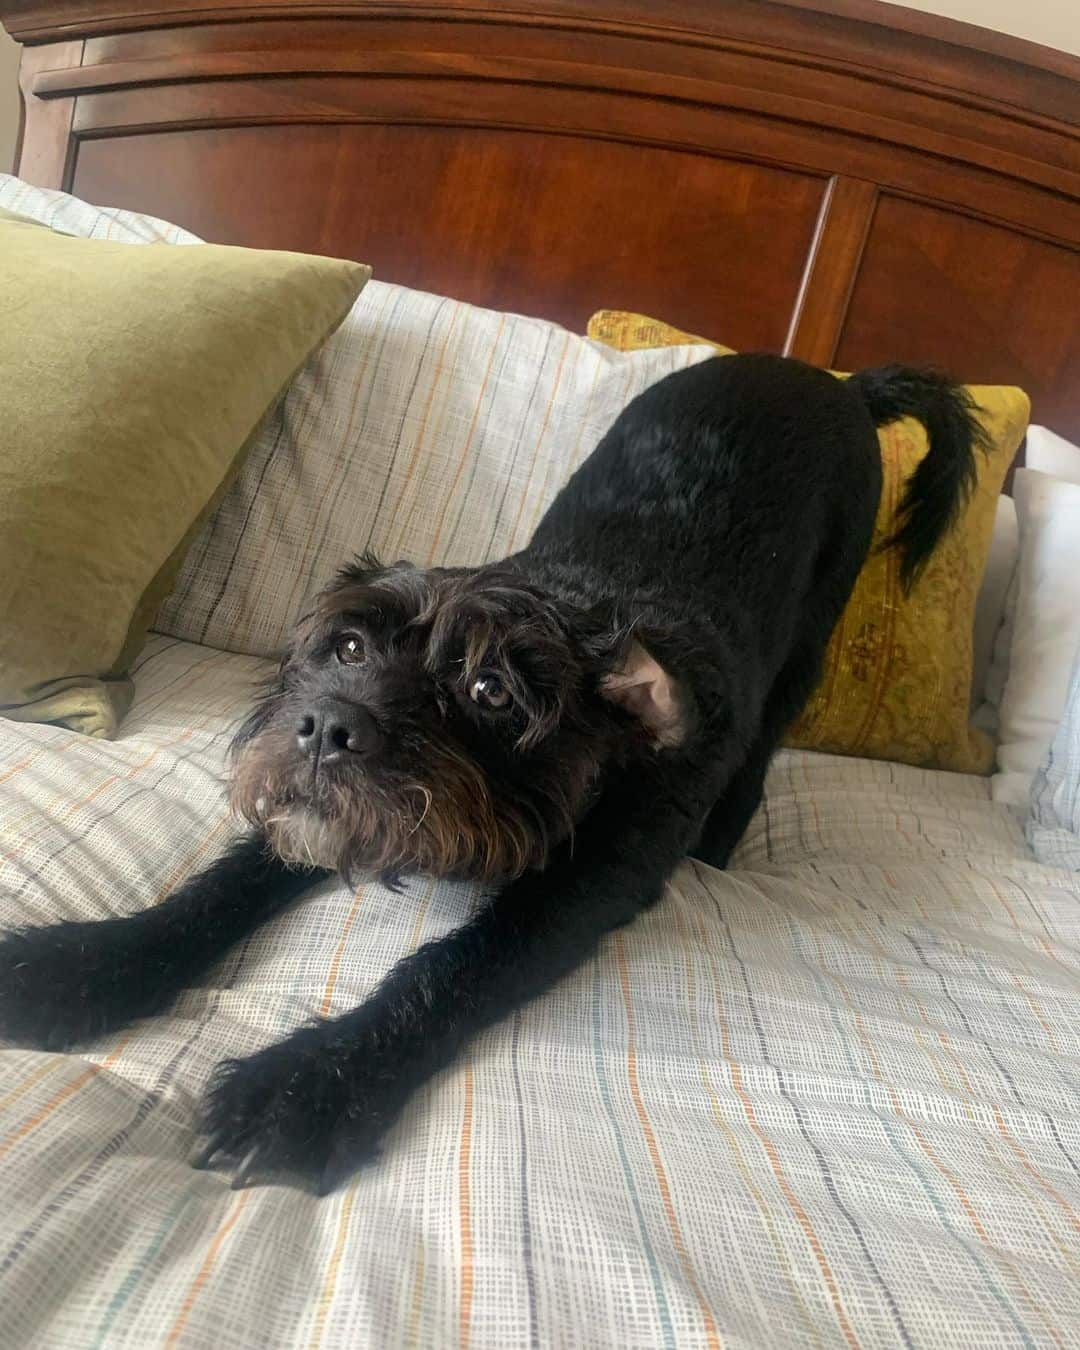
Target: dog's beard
[301, 837]
[391, 825]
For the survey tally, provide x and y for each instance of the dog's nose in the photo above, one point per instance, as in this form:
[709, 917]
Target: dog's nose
[334, 728]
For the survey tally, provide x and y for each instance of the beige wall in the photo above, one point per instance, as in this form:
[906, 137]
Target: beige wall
[1055, 23]
[9, 100]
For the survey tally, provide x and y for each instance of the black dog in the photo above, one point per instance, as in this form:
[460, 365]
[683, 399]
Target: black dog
[565, 725]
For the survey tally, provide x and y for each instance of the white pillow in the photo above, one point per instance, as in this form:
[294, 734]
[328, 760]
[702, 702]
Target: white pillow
[1048, 452]
[1053, 827]
[1046, 629]
[995, 608]
[69, 215]
[991, 612]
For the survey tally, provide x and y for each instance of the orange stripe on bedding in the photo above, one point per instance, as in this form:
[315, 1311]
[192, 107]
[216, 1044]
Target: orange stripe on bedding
[421, 915]
[577, 455]
[449, 494]
[950, 1177]
[942, 1037]
[976, 1223]
[204, 1270]
[183, 869]
[51, 1065]
[809, 1232]
[1033, 1171]
[74, 806]
[66, 1092]
[76, 742]
[539, 442]
[334, 481]
[418, 445]
[945, 1041]
[417, 1302]
[465, 1209]
[326, 1297]
[711, 1334]
[45, 814]
[783, 1260]
[1040, 938]
[1029, 998]
[796, 1208]
[60, 748]
[335, 960]
[22, 764]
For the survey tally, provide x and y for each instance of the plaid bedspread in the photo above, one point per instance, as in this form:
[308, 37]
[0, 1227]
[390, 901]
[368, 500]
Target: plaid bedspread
[828, 1098]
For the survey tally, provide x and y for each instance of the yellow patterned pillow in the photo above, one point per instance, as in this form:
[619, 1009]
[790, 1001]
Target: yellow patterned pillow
[897, 678]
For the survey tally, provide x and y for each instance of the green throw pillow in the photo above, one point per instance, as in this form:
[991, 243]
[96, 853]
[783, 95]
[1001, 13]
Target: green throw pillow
[132, 379]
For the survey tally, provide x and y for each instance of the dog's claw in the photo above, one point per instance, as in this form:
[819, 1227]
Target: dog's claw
[204, 1153]
[247, 1170]
[338, 1168]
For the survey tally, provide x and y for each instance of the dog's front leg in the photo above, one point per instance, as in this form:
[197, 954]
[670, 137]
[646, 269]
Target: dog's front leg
[69, 982]
[316, 1105]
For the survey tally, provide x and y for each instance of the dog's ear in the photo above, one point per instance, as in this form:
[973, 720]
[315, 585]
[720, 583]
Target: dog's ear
[641, 686]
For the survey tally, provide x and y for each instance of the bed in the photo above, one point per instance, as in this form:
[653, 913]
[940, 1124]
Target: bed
[828, 1097]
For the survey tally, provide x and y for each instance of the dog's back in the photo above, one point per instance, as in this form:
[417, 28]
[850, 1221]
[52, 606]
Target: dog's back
[743, 489]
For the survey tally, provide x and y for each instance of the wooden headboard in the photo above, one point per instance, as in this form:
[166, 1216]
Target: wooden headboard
[845, 180]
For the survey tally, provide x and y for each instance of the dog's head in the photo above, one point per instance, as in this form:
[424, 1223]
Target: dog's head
[449, 722]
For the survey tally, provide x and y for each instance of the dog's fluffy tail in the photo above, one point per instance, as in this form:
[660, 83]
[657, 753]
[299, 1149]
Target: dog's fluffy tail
[939, 486]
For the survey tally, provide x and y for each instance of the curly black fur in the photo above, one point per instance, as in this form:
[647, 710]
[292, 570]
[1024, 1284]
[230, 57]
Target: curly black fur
[647, 650]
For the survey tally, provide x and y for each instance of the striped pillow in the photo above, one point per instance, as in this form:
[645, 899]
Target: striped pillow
[425, 429]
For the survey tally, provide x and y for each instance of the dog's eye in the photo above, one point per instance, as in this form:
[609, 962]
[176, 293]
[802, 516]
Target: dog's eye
[488, 691]
[350, 650]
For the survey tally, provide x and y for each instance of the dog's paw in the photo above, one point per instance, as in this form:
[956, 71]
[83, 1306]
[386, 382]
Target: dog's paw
[302, 1111]
[65, 984]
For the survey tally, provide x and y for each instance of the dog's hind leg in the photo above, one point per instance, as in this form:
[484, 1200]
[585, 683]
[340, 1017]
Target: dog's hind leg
[841, 555]
[726, 822]
[69, 982]
[728, 818]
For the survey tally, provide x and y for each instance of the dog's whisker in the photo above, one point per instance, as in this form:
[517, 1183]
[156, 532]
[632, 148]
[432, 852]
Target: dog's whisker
[426, 793]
